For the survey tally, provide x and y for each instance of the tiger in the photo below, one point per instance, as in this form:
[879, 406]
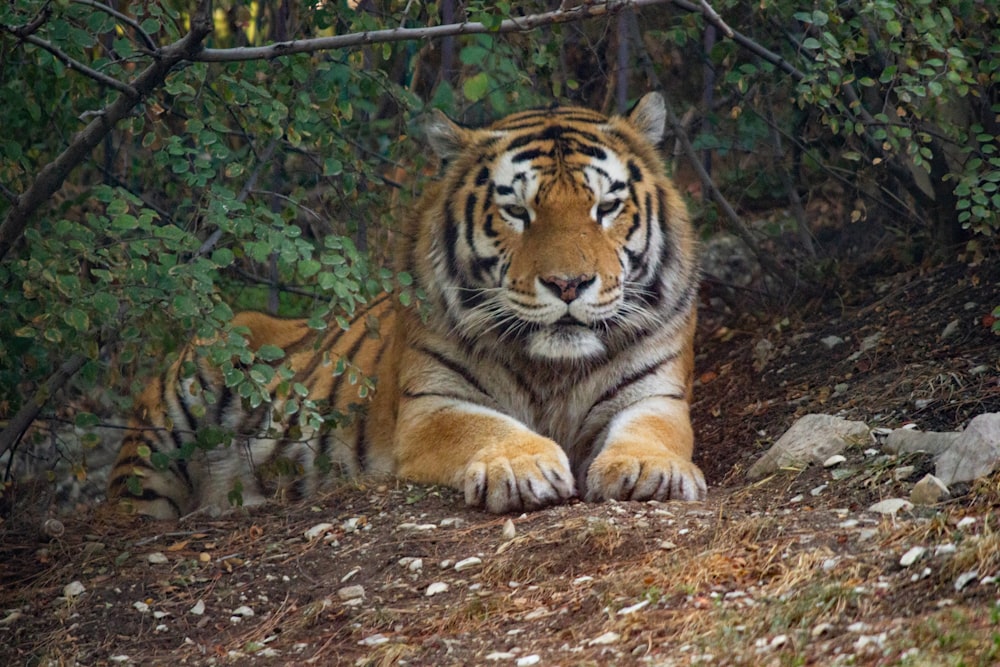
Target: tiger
[550, 357]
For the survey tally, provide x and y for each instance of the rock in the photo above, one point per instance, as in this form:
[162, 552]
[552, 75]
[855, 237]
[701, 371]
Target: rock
[435, 588]
[528, 660]
[834, 460]
[928, 491]
[157, 558]
[830, 342]
[351, 592]
[243, 611]
[975, 452]
[198, 609]
[468, 563]
[911, 441]
[812, 439]
[318, 530]
[951, 329]
[509, 531]
[73, 589]
[890, 506]
[605, 639]
[912, 556]
[965, 579]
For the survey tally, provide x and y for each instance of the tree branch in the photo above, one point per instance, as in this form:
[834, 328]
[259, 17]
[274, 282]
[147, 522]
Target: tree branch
[72, 64]
[52, 176]
[585, 10]
[127, 20]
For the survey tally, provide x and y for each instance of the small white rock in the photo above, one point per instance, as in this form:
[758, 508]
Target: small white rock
[244, 611]
[912, 556]
[416, 565]
[374, 640]
[965, 579]
[318, 530]
[528, 660]
[500, 655]
[891, 506]
[509, 531]
[435, 588]
[605, 639]
[945, 549]
[418, 527]
[141, 607]
[351, 592]
[72, 589]
[966, 522]
[834, 460]
[198, 609]
[821, 629]
[157, 558]
[468, 563]
[451, 522]
[582, 580]
[818, 490]
[625, 611]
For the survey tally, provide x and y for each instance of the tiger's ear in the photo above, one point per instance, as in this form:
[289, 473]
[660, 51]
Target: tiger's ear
[649, 117]
[445, 136]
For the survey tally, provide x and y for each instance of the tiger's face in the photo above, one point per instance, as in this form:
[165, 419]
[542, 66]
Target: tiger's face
[556, 230]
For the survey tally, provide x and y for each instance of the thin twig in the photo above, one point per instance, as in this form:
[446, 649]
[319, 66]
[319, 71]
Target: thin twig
[72, 64]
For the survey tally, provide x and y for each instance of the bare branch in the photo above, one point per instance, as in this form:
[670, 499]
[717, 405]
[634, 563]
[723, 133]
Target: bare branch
[127, 20]
[41, 17]
[586, 10]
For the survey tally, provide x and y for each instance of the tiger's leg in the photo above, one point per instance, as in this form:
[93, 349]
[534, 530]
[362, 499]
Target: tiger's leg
[497, 461]
[647, 455]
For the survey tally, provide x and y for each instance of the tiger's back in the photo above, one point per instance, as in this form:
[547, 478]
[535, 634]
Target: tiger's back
[556, 353]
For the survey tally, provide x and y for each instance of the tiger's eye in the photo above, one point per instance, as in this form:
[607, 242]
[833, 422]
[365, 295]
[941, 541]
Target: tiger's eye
[516, 211]
[608, 207]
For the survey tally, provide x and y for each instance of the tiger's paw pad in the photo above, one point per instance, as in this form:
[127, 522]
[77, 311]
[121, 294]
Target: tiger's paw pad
[522, 481]
[627, 477]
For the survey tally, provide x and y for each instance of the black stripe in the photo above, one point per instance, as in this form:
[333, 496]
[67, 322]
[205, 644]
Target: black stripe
[528, 155]
[450, 241]
[413, 395]
[634, 172]
[631, 380]
[455, 367]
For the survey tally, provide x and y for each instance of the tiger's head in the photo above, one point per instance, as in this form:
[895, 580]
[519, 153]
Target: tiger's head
[557, 229]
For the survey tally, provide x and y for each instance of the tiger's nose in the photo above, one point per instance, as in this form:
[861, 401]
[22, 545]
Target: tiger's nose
[567, 288]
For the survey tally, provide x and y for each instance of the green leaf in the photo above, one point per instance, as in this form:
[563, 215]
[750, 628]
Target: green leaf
[270, 352]
[475, 87]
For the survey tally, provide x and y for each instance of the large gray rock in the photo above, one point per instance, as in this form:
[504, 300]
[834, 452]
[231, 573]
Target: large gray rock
[811, 439]
[975, 452]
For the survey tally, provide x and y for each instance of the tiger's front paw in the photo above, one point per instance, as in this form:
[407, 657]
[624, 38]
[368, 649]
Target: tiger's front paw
[623, 476]
[528, 473]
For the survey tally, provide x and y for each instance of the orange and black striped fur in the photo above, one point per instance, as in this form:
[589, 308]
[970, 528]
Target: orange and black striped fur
[556, 358]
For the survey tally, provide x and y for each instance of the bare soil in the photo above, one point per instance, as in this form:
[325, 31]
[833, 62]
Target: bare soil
[790, 570]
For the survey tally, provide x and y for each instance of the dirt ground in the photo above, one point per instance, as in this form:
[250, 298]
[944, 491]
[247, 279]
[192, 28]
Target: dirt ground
[790, 570]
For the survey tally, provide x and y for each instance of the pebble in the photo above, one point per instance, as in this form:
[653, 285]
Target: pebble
[317, 530]
[929, 491]
[468, 563]
[198, 609]
[891, 506]
[500, 655]
[157, 558]
[435, 588]
[528, 660]
[509, 531]
[965, 579]
[831, 342]
[834, 460]
[351, 592]
[244, 611]
[911, 556]
[605, 639]
[72, 589]
[418, 526]
[625, 611]
[452, 522]
[374, 640]
[821, 629]
[966, 522]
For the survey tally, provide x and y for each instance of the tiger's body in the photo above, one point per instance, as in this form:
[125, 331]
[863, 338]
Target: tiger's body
[560, 276]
